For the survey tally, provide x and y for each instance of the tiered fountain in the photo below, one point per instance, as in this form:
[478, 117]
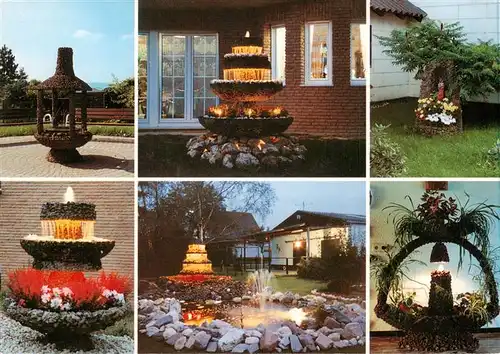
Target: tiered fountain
[63, 139]
[54, 302]
[242, 133]
[196, 261]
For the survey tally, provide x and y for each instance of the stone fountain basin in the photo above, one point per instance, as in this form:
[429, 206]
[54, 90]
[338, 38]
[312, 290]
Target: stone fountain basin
[246, 91]
[74, 322]
[66, 254]
[60, 139]
[246, 127]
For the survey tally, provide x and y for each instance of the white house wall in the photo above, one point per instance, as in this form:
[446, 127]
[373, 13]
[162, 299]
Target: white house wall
[389, 81]
[282, 246]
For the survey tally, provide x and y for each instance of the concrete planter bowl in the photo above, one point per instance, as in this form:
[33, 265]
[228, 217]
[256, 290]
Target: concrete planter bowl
[68, 329]
[246, 127]
[67, 255]
[63, 145]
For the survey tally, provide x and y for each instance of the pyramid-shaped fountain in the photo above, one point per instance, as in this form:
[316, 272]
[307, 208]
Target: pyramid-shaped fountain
[242, 132]
[196, 261]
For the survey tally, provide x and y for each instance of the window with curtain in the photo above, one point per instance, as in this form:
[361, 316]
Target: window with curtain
[278, 52]
[360, 53]
[318, 53]
[142, 75]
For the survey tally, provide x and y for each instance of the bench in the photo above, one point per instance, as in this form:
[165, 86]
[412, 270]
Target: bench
[107, 116]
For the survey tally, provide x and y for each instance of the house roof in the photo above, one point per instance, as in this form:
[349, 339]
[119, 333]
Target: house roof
[180, 4]
[316, 219]
[231, 225]
[400, 8]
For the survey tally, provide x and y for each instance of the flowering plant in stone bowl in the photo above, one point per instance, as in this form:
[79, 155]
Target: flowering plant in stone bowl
[437, 111]
[66, 306]
[66, 291]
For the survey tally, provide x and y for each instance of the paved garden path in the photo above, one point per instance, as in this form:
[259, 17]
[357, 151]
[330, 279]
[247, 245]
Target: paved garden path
[104, 157]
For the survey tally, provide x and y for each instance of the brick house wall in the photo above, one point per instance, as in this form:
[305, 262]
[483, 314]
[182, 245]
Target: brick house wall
[337, 111]
[20, 204]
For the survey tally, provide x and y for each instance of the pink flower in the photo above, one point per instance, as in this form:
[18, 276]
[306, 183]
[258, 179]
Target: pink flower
[21, 302]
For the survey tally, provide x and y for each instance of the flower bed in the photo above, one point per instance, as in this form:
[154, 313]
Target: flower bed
[436, 115]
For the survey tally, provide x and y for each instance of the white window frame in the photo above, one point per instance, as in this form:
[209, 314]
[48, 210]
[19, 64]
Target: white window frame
[145, 120]
[357, 82]
[274, 55]
[318, 82]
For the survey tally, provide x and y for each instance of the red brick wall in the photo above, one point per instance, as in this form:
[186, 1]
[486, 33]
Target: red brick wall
[20, 204]
[328, 111]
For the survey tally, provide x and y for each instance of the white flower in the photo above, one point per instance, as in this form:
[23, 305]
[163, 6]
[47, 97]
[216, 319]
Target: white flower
[55, 303]
[120, 298]
[106, 293]
[65, 307]
[67, 292]
[56, 291]
[45, 289]
[46, 298]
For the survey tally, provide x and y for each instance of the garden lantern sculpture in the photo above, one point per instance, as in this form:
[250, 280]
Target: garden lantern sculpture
[443, 325]
[63, 140]
[58, 300]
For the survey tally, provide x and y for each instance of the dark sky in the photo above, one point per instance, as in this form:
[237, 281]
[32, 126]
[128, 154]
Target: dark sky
[340, 197]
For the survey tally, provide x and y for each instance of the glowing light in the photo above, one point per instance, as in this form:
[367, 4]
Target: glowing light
[249, 112]
[274, 139]
[247, 35]
[196, 261]
[68, 229]
[297, 315]
[247, 49]
[277, 111]
[218, 112]
[260, 144]
[69, 196]
[441, 267]
[247, 74]
[297, 244]
[237, 145]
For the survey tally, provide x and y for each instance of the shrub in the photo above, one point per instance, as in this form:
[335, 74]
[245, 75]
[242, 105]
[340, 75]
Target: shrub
[493, 157]
[349, 265]
[124, 327]
[386, 157]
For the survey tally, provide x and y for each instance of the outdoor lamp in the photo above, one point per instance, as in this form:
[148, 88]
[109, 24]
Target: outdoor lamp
[298, 244]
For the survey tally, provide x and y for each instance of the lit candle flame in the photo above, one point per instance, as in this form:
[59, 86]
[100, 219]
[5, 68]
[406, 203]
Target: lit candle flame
[69, 196]
[247, 35]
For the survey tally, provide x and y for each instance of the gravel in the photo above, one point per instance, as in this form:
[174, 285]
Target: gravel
[15, 338]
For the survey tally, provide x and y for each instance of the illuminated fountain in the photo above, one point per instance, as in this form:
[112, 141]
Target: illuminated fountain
[243, 133]
[196, 261]
[55, 297]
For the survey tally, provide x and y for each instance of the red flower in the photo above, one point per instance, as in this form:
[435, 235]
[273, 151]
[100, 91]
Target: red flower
[21, 303]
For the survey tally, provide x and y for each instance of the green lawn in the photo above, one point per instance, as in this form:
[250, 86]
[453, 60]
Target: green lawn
[166, 156]
[450, 156]
[108, 130]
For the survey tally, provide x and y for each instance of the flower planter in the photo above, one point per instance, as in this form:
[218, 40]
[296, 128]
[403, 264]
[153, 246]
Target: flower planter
[247, 127]
[63, 145]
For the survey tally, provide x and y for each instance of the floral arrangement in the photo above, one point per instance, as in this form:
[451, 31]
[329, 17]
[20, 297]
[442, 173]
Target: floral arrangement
[66, 291]
[435, 110]
[226, 111]
[198, 278]
[435, 207]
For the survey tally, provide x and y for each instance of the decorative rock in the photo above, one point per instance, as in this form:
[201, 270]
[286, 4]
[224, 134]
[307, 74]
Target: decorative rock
[219, 324]
[277, 296]
[284, 331]
[187, 332]
[163, 320]
[334, 337]
[339, 316]
[295, 344]
[246, 159]
[151, 324]
[240, 348]
[180, 343]
[237, 300]
[201, 340]
[252, 340]
[353, 341]
[151, 331]
[331, 323]
[212, 347]
[307, 342]
[341, 344]
[253, 348]
[229, 340]
[253, 333]
[288, 298]
[352, 330]
[269, 341]
[323, 342]
[292, 325]
[325, 330]
[169, 332]
[190, 342]
[284, 342]
[173, 339]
